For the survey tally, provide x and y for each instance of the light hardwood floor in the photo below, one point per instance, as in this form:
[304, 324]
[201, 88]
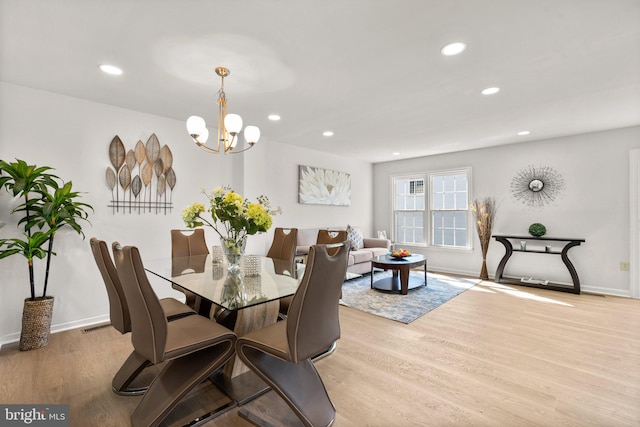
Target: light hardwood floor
[493, 356]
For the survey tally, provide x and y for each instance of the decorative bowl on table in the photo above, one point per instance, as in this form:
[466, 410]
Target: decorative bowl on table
[399, 254]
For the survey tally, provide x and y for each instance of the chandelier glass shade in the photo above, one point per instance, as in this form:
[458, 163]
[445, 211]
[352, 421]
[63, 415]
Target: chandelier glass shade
[229, 126]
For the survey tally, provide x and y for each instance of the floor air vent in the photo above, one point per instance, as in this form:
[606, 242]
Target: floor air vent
[95, 328]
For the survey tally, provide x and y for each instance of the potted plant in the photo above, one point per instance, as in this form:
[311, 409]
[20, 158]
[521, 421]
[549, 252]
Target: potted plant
[48, 205]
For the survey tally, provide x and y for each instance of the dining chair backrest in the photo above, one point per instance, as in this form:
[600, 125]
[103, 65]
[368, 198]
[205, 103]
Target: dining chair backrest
[188, 244]
[312, 319]
[148, 320]
[118, 308]
[328, 237]
[284, 243]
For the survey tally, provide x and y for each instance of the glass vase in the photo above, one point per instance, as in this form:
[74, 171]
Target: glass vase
[233, 251]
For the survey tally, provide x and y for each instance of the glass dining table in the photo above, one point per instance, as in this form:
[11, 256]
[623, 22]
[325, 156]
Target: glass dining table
[252, 299]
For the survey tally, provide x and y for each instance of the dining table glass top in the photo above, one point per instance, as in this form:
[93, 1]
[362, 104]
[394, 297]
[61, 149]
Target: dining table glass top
[211, 281]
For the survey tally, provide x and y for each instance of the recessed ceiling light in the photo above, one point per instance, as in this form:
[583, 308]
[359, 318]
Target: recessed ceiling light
[524, 132]
[273, 117]
[327, 133]
[110, 69]
[491, 90]
[396, 153]
[453, 48]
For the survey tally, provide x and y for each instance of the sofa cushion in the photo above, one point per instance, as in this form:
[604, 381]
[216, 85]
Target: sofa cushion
[378, 251]
[362, 255]
[354, 236]
[371, 242]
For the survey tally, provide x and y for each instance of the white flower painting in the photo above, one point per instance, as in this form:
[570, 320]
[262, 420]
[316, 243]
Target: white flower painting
[319, 186]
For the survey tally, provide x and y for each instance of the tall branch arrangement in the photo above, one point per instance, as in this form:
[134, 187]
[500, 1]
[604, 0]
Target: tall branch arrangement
[484, 212]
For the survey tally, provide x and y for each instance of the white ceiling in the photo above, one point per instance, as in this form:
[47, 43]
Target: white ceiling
[370, 70]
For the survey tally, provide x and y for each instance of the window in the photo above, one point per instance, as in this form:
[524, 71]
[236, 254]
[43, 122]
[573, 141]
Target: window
[449, 208]
[408, 210]
[437, 215]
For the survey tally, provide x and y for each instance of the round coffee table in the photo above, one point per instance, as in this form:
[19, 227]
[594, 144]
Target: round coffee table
[401, 280]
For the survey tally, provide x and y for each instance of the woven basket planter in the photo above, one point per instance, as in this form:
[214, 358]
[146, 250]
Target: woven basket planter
[36, 323]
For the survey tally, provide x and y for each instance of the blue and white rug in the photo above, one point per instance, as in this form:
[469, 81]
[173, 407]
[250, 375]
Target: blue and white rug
[357, 293]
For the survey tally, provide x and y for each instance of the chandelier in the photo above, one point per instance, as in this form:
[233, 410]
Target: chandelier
[229, 126]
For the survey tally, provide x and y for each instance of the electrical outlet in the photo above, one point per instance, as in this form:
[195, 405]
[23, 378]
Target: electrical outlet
[624, 266]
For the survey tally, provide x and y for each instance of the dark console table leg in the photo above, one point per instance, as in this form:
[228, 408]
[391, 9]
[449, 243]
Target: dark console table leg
[570, 267]
[508, 251]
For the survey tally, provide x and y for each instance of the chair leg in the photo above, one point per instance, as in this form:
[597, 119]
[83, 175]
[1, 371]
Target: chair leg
[299, 385]
[127, 373]
[176, 379]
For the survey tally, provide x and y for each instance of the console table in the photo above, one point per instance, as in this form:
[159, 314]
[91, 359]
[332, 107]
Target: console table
[509, 250]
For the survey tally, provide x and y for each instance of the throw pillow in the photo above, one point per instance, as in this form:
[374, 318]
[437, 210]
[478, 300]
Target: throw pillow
[354, 237]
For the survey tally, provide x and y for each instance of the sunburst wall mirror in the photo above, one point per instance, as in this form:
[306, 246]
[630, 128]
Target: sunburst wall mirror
[537, 186]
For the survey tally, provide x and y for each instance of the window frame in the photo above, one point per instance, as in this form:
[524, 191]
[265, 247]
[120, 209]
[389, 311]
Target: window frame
[412, 176]
[427, 178]
[469, 222]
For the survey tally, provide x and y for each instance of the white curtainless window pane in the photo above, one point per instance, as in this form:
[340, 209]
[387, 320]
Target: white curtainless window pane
[449, 183]
[449, 201]
[448, 219]
[438, 186]
[461, 219]
[438, 201]
[448, 238]
[461, 237]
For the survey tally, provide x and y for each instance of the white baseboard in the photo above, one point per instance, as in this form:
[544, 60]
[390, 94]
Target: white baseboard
[583, 288]
[605, 291]
[15, 336]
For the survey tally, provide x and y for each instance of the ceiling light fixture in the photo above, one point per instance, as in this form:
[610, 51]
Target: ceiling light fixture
[327, 133]
[491, 90]
[273, 117]
[524, 132]
[229, 126]
[110, 69]
[453, 49]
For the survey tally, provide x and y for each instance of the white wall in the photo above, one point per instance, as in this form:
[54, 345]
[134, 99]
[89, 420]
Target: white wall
[73, 136]
[594, 206]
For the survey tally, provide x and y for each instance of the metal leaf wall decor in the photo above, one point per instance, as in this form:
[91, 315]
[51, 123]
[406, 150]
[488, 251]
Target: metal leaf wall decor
[138, 178]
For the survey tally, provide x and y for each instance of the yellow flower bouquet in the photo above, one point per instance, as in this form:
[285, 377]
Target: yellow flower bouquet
[233, 218]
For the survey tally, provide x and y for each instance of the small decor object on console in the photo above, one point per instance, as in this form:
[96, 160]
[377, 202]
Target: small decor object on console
[537, 230]
[238, 218]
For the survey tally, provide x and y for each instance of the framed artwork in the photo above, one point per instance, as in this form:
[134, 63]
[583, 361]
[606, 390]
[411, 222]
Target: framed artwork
[317, 186]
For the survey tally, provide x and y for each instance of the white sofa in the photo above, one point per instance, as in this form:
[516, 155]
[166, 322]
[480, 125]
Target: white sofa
[359, 259]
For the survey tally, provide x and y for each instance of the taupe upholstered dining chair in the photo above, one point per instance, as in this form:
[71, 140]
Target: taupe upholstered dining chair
[281, 353]
[283, 251]
[328, 237]
[193, 347]
[121, 318]
[187, 243]
[283, 246]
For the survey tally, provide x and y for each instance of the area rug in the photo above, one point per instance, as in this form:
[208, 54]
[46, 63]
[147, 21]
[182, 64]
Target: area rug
[357, 293]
